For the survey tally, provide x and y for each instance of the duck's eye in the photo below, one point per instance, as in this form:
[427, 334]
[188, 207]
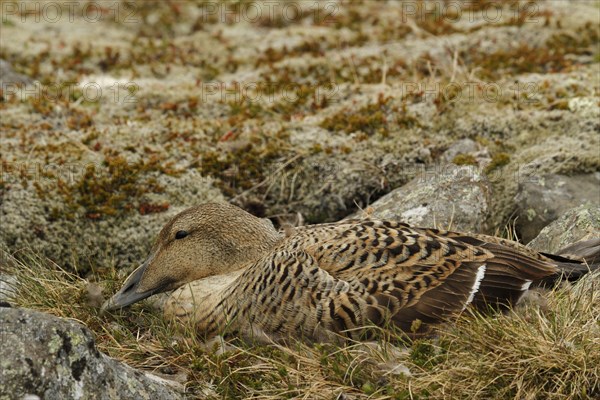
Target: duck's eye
[181, 234]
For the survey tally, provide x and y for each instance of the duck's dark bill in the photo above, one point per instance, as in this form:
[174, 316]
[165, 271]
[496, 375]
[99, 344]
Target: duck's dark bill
[128, 294]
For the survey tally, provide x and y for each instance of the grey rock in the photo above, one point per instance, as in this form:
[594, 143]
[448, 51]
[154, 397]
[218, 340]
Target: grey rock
[54, 358]
[541, 201]
[581, 223]
[8, 76]
[446, 196]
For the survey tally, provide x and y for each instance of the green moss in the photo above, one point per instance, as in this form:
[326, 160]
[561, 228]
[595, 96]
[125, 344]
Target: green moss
[300, 99]
[370, 119]
[498, 160]
[559, 105]
[316, 148]
[464, 159]
[242, 110]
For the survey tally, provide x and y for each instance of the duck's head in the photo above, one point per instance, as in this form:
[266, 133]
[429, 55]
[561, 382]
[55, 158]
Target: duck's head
[202, 241]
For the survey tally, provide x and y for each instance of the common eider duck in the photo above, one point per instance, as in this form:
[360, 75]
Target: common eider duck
[232, 272]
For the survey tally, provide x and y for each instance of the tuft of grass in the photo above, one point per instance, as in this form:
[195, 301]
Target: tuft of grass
[548, 349]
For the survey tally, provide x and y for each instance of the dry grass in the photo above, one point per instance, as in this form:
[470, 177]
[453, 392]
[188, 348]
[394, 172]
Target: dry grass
[546, 349]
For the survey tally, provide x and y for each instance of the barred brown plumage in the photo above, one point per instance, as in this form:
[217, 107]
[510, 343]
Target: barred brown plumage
[235, 273]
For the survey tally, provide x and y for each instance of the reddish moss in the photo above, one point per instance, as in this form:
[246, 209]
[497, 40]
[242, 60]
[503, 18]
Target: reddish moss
[552, 57]
[151, 208]
[243, 167]
[116, 188]
[374, 118]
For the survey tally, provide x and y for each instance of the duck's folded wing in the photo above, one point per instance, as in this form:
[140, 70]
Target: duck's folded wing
[432, 274]
[291, 294]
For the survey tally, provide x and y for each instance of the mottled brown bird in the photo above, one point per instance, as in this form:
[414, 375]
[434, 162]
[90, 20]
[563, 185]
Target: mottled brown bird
[233, 272]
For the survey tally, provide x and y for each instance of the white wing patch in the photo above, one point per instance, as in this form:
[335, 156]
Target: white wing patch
[526, 285]
[475, 288]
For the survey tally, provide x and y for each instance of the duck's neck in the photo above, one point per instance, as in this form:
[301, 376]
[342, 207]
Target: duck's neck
[213, 304]
[205, 303]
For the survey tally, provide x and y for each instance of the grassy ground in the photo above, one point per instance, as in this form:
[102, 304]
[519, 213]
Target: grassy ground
[547, 348]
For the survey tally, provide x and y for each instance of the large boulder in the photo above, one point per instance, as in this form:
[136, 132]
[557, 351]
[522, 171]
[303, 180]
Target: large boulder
[43, 356]
[543, 200]
[446, 196]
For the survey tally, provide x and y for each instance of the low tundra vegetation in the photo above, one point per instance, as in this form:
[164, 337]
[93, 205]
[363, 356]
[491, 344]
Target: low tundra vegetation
[546, 348]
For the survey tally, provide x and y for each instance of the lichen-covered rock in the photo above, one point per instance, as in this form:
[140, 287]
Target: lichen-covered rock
[446, 196]
[53, 358]
[541, 201]
[581, 223]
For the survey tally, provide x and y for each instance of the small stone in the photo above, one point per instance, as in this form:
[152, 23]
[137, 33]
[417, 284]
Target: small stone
[94, 295]
[467, 147]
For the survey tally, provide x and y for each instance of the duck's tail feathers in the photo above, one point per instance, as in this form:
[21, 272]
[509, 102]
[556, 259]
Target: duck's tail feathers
[575, 261]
